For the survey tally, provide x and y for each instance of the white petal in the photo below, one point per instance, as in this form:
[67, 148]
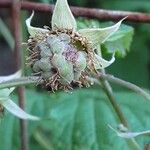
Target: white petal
[33, 30]
[17, 111]
[62, 17]
[98, 36]
[10, 77]
[129, 135]
[101, 63]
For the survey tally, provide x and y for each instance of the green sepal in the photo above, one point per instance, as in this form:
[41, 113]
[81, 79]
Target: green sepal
[99, 35]
[62, 17]
[33, 31]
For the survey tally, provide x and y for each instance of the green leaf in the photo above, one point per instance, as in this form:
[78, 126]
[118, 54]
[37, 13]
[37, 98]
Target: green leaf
[6, 132]
[100, 35]
[120, 42]
[79, 120]
[83, 23]
[9, 124]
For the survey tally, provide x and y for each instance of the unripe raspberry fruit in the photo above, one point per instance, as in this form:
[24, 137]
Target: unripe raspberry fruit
[60, 58]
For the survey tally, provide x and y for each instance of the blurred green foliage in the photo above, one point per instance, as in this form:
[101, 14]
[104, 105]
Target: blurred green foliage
[76, 121]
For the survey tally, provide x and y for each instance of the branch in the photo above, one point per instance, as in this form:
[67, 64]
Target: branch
[20, 81]
[126, 84]
[100, 14]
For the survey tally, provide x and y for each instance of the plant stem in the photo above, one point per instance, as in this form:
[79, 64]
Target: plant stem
[126, 84]
[108, 90]
[20, 81]
[102, 76]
